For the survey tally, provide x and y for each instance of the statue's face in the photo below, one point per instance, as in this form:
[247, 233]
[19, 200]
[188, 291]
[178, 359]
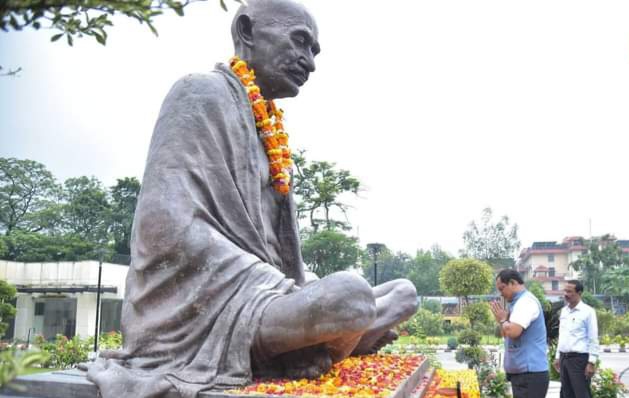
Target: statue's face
[283, 51]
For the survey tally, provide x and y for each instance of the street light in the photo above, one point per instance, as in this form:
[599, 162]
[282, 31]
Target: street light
[374, 249]
[100, 273]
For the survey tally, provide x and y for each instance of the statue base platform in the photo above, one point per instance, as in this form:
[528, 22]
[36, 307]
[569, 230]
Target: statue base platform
[74, 384]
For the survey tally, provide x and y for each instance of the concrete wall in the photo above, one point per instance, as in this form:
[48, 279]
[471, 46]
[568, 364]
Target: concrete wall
[61, 274]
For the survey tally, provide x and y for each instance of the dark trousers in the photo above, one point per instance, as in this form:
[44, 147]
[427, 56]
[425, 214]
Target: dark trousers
[574, 384]
[529, 385]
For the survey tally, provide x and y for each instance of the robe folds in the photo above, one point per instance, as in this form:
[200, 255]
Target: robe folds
[206, 258]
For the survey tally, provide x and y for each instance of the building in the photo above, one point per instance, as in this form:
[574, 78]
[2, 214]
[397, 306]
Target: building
[60, 298]
[549, 262]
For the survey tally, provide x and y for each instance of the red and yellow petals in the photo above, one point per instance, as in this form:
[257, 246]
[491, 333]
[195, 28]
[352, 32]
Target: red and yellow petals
[366, 376]
[270, 127]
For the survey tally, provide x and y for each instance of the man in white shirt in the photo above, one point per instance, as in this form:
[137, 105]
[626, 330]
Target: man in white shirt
[577, 349]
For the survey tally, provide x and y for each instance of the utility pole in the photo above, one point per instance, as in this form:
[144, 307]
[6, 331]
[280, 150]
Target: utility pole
[374, 249]
[100, 273]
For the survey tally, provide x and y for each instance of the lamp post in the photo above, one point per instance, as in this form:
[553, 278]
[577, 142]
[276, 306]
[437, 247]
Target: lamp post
[374, 249]
[100, 273]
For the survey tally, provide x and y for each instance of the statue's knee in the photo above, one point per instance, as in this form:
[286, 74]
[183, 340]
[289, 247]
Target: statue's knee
[406, 296]
[352, 299]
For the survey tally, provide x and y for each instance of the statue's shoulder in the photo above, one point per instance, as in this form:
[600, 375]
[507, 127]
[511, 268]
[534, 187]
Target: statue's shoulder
[212, 87]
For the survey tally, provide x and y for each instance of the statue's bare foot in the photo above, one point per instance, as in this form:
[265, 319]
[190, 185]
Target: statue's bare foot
[371, 342]
[389, 337]
[308, 363]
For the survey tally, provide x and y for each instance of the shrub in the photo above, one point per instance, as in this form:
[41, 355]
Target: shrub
[453, 343]
[473, 356]
[432, 305]
[424, 323]
[605, 320]
[110, 341]
[478, 314]
[14, 363]
[469, 337]
[605, 384]
[64, 352]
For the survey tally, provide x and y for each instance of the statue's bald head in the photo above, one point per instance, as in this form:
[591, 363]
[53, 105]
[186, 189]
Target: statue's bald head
[279, 39]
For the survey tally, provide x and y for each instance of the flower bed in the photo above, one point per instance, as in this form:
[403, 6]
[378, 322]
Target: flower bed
[443, 384]
[364, 376]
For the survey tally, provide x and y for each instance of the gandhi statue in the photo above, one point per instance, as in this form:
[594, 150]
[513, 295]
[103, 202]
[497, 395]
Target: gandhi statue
[216, 292]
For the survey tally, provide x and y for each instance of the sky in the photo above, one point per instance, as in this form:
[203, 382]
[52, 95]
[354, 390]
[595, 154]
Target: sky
[440, 108]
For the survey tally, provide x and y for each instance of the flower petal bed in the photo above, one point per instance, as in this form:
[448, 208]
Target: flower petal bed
[443, 384]
[363, 376]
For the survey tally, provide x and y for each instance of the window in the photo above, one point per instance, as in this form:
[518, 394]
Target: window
[551, 271]
[555, 285]
[110, 315]
[39, 308]
[551, 258]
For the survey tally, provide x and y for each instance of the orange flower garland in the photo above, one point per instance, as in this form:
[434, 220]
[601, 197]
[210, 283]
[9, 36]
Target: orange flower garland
[270, 128]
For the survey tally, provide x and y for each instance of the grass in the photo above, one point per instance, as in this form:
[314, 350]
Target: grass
[31, 371]
[440, 340]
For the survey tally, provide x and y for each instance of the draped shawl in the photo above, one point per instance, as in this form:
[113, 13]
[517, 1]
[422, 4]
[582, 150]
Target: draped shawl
[202, 267]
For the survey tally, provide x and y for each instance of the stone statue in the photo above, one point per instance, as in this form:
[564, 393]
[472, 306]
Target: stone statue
[216, 291]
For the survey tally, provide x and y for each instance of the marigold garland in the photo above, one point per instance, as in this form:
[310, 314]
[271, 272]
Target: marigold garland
[374, 376]
[270, 127]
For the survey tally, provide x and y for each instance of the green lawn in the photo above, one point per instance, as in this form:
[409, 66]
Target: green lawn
[437, 340]
[31, 371]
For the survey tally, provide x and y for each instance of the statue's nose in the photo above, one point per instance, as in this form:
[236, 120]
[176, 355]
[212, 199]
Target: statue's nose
[307, 62]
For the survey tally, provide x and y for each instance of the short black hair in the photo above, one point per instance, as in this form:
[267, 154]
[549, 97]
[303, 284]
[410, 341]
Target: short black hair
[578, 286]
[509, 274]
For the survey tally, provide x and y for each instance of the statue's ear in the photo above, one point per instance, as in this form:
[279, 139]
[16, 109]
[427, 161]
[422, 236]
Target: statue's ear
[244, 28]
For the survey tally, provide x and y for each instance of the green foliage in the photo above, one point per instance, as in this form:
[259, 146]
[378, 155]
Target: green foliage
[329, 251]
[7, 309]
[110, 341]
[453, 343]
[592, 301]
[605, 384]
[473, 356]
[124, 199]
[63, 352]
[550, 356]
[432, 305]
[318, 187]
[603, 255]
[493, 242]
[83, 18]
[424, 323]
[424, 270]
[86, 213]
[478, 314]
[492, 382]
[14, 363]
[465, 277]
[39, 247]
[28, 192]
[469, 337]
[537, 290]
[605, 320]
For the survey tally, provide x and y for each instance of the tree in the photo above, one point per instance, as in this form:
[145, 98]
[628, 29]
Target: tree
[327, 252]
[390, 266]
[72, 18]
[28, 192]
[7, 309]
[86, 212]
[493, 242]
[465, 277]
[602, 256]
[38, 247]
[124, 199]
[425, 268]
[318, 187]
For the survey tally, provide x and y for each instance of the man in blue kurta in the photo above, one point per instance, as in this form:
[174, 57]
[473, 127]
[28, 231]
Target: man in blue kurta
[524, 330]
